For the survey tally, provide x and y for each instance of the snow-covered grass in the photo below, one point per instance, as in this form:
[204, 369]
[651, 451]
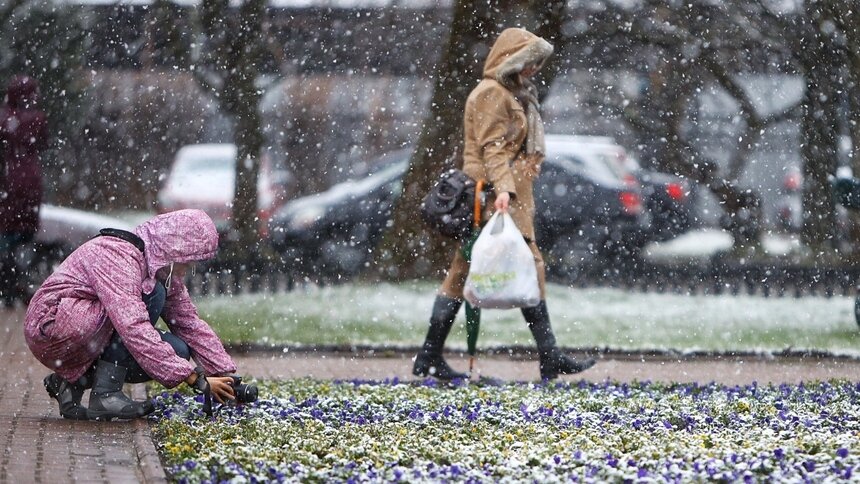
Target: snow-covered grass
[387, 314]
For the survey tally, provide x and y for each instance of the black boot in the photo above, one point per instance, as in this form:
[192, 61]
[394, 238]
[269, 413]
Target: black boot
[68, 395]
[429, 361]
[552, 361]
[107, 401]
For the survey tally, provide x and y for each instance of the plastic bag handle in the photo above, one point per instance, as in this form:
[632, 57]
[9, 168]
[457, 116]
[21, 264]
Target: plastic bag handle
[499, 225]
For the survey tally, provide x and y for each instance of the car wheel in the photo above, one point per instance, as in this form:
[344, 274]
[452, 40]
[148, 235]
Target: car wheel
[572, 258]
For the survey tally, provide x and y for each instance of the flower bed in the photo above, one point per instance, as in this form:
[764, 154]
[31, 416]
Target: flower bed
[357, 430]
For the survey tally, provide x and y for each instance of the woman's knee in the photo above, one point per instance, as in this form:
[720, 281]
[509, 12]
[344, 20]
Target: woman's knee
[154, 302]
[180, 347]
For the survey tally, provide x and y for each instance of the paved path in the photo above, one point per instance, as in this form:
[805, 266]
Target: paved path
[40, 446]
[728, 370]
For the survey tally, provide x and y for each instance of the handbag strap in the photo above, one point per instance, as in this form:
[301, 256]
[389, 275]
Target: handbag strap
[125, 235]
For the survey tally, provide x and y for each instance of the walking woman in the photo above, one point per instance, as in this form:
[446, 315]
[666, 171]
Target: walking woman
[504, 146]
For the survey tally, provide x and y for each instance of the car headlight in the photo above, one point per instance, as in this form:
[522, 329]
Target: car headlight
[304, 218]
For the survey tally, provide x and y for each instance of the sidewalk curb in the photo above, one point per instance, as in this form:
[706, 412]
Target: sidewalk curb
[520, 352]
[149, 462]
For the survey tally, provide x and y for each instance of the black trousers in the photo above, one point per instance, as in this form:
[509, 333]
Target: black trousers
[117, 353]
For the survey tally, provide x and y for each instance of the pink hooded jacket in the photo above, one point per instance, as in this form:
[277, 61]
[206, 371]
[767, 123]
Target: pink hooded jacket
[98, 289]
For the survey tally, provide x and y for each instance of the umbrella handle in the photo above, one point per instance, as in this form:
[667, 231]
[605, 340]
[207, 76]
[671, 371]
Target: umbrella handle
[471, 366]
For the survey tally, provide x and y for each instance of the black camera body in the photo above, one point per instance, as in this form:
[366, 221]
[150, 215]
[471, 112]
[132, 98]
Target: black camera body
[245, 393]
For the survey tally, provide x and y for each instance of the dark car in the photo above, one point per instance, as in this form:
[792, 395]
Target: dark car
[666, 198]
[586, 209]
[669, 200]
[333, 232]
[789, 205]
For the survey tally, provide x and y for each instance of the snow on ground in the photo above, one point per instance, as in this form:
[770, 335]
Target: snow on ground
[703, 243]
[387, 314]
[133, 217]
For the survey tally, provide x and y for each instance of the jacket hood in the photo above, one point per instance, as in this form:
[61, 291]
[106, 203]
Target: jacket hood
[22, 92]
[514, 50]
[182, 236]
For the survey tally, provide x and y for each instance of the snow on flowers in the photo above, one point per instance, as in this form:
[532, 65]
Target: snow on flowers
[425, 431]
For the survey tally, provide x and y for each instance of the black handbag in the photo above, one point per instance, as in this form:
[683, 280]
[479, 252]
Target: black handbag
[449, 208]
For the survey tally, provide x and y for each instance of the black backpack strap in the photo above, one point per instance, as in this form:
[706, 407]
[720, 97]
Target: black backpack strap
[125, 235]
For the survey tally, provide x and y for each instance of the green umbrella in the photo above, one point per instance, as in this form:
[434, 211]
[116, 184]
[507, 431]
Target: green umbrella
[473, 314]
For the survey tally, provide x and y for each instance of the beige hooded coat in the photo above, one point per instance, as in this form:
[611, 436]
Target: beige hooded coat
[495, 130]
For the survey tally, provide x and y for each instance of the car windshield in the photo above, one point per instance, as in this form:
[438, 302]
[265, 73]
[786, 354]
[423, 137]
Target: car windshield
[381, 163]
[613, 162]
[204, 164]
[381, 176]
[589, 166]
[351, 188]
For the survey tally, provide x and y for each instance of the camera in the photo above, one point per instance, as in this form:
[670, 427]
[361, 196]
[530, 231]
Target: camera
[245, 393]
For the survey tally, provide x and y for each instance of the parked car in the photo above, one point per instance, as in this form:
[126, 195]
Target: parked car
[585, 209]
[61, 230]
[203, 176]
[789, 205]
[666, 197]
[333, 232]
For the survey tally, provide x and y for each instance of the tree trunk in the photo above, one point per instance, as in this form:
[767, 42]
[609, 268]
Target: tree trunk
[848, 19]
[550, 16]
[235, 46]
[245, 220]
[821, 61]
[408, 249]
[248, 136]
[819, 152]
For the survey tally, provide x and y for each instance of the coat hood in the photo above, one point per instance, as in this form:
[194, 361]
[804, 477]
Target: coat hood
[182, 236]
[513, 50]
[22, 92]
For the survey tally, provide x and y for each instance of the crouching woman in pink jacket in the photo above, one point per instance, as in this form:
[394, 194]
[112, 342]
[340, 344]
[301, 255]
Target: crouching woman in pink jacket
[93, 320]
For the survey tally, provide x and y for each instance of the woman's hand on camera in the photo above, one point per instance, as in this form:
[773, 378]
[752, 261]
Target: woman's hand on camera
[221, 388]
[503, 200]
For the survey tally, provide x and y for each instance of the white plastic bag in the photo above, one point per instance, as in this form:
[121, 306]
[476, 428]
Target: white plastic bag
[502, 274]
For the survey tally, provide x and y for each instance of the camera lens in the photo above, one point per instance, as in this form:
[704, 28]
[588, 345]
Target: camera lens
[246, 393]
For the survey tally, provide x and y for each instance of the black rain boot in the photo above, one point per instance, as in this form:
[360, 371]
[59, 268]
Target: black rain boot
[429, 361]
[68, 395]
[107, 401]
[552, 361]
